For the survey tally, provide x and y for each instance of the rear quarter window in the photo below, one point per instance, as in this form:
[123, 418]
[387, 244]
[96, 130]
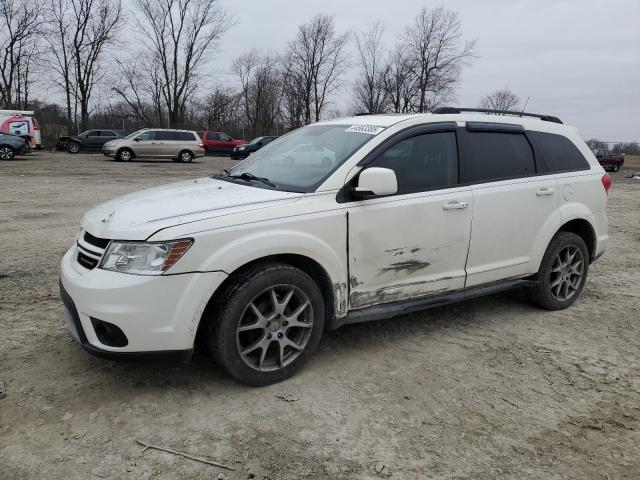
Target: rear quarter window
[559, 154]
[493, 156]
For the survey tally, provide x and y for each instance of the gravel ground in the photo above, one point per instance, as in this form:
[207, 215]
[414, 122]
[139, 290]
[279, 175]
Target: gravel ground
[490, 388]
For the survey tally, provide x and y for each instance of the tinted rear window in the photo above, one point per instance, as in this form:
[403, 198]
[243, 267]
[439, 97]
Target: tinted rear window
[491, 156]
[559, 154]
[185, 136]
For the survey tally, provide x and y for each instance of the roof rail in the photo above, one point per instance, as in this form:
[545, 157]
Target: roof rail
[546, 118]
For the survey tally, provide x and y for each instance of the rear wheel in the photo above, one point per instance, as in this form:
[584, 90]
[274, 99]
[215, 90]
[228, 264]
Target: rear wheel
[6, 152]
[73, 147]
[185, 156]
[563, 272]
[267, 324]
[615, 168]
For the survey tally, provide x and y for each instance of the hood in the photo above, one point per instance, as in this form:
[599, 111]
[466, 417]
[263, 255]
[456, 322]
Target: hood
[138, 215]
[113, 143]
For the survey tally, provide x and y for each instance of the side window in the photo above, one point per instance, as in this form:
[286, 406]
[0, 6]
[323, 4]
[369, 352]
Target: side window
[164, 135]
[109, 133]
[559, 153]
[212, 136]
[425, 162]
[496, 156]
[224, 137]
[147, 135]
[93, 133]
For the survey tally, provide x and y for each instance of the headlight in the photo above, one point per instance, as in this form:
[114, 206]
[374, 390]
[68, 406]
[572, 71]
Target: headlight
[142, 258]
[241, 148]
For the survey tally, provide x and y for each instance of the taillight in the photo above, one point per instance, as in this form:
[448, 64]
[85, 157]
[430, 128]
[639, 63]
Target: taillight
[606, 182]
[201, 145]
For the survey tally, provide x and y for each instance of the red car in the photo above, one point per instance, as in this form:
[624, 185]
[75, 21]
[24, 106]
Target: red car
[219, 142]
[608, 160]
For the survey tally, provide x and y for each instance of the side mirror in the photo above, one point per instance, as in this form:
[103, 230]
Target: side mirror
[377, 181]
[137, 139]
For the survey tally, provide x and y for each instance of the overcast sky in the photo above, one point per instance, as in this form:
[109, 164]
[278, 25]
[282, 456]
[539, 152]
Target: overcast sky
[577, 59]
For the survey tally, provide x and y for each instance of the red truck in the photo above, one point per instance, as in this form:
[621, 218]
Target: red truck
[219, 142]
[608, 160]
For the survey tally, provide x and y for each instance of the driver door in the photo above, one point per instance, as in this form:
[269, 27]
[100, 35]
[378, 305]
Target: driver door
[414, 243]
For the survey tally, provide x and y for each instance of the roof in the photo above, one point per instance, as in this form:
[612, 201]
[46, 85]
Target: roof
[387, 120]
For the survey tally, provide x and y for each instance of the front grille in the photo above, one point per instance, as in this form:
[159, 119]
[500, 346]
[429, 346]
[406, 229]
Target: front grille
[90, 250]
[98, 242]
[87, 262]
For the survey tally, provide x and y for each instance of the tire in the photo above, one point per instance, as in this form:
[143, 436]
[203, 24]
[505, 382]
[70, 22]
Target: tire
[7, 152]
[124, 155]
[251, 335]
[73, 147]
[563, 272]
[615, 168]
[185, 156]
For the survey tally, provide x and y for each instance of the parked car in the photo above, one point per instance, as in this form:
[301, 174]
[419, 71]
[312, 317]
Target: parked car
[11, 145]
[23, 123]
[219, 142]
[179, 145]
[91, 140]
[259, 261]
[608, 160]
[243, 151]
[308, 154]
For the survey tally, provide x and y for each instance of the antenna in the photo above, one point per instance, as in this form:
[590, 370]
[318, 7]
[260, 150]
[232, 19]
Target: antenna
[525, 106]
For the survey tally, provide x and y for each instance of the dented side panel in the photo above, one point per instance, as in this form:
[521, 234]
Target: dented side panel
[407, 246]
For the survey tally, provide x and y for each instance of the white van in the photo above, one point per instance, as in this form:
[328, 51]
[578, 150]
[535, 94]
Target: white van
[22, 122]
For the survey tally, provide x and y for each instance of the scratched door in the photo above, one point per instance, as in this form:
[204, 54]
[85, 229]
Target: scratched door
[414, 243]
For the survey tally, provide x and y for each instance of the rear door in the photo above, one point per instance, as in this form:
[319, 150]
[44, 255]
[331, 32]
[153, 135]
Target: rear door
[414, 243]
[513, 206]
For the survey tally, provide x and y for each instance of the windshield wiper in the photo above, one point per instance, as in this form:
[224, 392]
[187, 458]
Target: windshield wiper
[251, 176]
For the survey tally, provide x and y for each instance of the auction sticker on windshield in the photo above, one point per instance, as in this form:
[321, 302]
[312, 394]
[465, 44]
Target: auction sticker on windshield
[370, 129]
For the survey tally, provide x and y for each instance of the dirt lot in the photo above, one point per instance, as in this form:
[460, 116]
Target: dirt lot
[491, 388]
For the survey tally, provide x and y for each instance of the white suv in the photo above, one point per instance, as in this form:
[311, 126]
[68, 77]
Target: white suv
[415, 211]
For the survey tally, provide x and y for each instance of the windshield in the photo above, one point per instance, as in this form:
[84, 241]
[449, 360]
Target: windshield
[304, 158]
[256, 140]
[131, 135]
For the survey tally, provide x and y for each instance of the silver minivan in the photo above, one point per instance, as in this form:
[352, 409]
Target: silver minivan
[179, 145]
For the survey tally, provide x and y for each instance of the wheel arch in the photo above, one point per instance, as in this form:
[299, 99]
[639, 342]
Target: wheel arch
[308, 265]
[583, 228]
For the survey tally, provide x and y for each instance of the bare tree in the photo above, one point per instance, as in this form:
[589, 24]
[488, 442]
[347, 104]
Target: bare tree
[20, 28]
[400, 84]
[180, 35]
[369, 88]
[318, 60]
[221, 108]
[139, 85]
[436, 54]
[503, 99]
[261, 87]
[80, 31]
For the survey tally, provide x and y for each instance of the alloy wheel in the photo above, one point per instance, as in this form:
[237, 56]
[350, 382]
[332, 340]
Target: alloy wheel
[567, 272]
[274, 328]
[6, 153]
[125, 155]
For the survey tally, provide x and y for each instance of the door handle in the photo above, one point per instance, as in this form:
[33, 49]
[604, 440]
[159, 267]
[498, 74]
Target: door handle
[543, 192]
[455, 205]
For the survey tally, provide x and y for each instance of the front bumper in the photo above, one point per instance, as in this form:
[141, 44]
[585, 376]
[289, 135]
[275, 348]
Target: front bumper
[158, 314]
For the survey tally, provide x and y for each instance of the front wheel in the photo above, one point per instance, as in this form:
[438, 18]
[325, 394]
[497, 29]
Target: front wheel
[73, 147]
[563, 272]
[124, 155]
[267, 324]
